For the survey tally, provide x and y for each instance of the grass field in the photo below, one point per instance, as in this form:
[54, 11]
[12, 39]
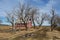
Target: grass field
[6, 31]
[44, 34]
[4, 27]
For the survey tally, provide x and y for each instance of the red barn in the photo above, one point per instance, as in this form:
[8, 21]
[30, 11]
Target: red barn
[29, 24]
[20, 24]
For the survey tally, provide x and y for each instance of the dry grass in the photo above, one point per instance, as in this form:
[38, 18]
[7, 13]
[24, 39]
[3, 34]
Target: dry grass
[4, 27]
[43, 34]
[4, 31]
[4, 34]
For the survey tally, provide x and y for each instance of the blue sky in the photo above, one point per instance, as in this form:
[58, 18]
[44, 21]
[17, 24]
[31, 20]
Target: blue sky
[43, 5]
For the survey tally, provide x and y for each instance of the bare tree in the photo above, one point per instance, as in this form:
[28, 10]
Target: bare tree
[52, 19]
[23, 12]
[10, 18]
[34, 13]
[40, 20]
[53, 23]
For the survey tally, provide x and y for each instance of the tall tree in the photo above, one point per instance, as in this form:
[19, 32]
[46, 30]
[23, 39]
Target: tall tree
[10, 19]
[52, 19]
[40, 20]
[26, 12]
[23, 12]
[34, 13]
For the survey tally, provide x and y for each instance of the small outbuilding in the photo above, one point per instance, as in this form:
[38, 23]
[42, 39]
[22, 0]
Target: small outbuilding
[20, 24]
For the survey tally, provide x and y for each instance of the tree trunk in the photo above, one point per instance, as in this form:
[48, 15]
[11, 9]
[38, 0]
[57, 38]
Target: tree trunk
[25, 25]
[34, 24]
[51, 28]
[52, 19]
[13, 28]
[41, 22]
